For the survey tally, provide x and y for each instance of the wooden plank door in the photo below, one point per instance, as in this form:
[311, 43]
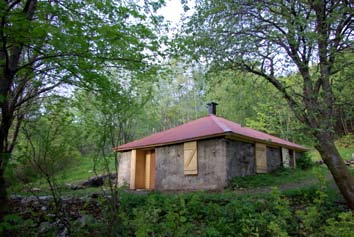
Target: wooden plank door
[261, 158]
[140, 169]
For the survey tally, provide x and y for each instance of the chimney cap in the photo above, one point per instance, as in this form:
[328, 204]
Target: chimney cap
[212, 108]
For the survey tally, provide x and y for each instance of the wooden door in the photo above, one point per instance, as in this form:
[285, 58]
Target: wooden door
[261, 158]
[140, 170]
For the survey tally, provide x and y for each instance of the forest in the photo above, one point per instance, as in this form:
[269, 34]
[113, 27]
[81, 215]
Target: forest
[79, 78]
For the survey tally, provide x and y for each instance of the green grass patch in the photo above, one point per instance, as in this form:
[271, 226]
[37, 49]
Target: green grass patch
[277, 178]
[346, 152]
[81, 170]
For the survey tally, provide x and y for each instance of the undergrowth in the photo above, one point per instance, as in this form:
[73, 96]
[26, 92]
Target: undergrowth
[276, 178]
[314, 211]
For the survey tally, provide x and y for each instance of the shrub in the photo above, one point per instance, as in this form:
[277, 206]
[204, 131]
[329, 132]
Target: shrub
[304, 161]
[342, 226]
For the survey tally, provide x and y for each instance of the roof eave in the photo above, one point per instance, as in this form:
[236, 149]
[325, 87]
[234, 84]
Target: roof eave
[230, 135]
[117, 149]
[239, 137]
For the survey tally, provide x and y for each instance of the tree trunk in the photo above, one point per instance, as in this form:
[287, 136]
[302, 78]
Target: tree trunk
[3, 195]
[4, 156]
[336, 165]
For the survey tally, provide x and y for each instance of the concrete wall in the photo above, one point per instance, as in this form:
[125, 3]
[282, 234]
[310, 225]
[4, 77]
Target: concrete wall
[124, 168]
[211, 167]
[219, 160]
[240, 158]
[274, 159]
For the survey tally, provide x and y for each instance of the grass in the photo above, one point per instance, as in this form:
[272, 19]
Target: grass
[81, 170]
[277, 178]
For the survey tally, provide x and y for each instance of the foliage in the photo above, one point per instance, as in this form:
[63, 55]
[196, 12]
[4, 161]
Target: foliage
[282, 40]
[254, 103]
[45, 143]
[346, 141]
[221, 214]
[313, 211]
[14, 223]
[276, 178]
[341, 226]
[304, 161]
[177, 97]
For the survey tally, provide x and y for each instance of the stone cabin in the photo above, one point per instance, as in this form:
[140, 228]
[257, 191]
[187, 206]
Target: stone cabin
[203, 154]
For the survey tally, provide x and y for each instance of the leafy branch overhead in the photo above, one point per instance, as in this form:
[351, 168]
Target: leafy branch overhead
[45, 44]
[272, 39]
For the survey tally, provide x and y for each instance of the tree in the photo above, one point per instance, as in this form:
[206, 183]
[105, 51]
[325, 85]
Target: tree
[273, 39]
[45, 44]
[253, 102]
[46, 149]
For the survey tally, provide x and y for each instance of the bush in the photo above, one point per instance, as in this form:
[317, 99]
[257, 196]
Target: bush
[301, 213]
[342, 226]
[304, 161]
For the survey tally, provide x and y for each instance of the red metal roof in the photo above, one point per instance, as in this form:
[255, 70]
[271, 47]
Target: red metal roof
[208, 126]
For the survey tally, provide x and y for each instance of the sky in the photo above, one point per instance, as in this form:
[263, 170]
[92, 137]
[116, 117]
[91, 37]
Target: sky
[173, 10]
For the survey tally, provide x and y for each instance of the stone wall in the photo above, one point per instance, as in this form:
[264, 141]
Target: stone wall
[240, 159]
[211, 167]
[124, 168]
[274, 159]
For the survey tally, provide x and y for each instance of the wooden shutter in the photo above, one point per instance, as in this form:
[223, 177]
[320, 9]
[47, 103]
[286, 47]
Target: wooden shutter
[286, 157]
[190, 158]
[261, 158]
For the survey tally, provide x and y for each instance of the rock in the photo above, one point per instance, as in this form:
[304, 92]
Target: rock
[98, 181]
[45, 198]
[26, 200]
[74, 187]
[15, 197]
[35, 189]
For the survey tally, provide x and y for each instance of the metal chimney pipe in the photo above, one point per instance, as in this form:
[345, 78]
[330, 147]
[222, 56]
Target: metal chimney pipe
[212, 108]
